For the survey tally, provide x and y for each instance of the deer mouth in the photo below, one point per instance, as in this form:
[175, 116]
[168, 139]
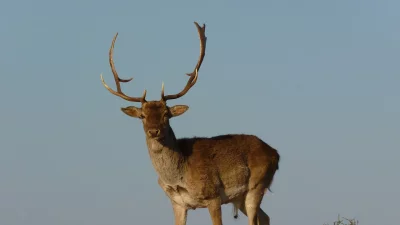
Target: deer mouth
[159, 138]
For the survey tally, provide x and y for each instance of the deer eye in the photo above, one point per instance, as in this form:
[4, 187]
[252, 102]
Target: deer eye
[141, 116]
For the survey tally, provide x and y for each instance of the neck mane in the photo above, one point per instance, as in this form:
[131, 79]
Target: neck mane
[167, 158]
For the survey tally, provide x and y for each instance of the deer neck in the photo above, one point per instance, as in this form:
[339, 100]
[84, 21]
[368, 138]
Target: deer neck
[167, 159]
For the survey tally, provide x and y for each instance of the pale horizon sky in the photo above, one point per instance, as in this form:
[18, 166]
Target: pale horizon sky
[317, 80]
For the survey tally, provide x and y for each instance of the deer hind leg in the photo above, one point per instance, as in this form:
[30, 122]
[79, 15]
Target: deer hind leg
[214, 208]
[263, 218]
[251, 207]
[180, 214]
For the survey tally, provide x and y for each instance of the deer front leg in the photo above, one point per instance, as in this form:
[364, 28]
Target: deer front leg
[180, 214]
[214, 208]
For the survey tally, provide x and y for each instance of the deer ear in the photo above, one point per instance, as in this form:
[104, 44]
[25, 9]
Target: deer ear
[178, 110]
[132, 111]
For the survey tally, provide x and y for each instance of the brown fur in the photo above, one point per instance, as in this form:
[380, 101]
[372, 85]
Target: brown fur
[196, 172]
[202, 172]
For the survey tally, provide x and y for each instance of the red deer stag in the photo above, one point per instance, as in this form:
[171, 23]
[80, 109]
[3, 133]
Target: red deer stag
[202, 172]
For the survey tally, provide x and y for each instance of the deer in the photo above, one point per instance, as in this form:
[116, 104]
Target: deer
[201, 172]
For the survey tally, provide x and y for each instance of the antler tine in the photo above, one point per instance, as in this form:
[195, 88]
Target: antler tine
[193, 75]
[118, 79]
[203, 42]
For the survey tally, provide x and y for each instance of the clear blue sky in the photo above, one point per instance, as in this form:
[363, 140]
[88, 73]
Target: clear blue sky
[318, 80]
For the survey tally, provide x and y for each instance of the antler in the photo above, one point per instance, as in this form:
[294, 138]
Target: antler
[193, 76]
[118, 79]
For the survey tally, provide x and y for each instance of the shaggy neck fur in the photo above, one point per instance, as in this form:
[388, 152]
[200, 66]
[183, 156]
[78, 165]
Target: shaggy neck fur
[166, 158]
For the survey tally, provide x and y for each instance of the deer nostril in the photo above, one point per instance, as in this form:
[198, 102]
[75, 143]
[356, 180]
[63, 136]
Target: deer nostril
[153, 132]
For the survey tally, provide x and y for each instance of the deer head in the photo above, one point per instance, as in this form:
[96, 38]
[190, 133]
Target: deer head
[155, 115]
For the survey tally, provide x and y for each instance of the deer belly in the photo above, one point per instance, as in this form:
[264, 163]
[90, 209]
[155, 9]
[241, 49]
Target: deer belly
[228, 195]
[182, 197]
